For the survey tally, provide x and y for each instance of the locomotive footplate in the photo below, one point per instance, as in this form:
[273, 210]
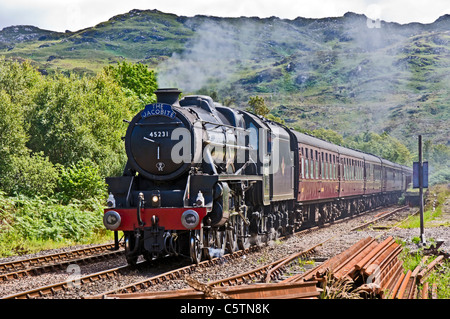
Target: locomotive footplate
[170, 218]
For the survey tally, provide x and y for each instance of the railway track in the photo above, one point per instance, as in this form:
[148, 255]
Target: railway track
[271, 270]
[53, 258]
[38, 265]
[372, 267]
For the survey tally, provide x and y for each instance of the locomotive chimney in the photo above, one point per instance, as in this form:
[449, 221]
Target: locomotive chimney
[168, 96]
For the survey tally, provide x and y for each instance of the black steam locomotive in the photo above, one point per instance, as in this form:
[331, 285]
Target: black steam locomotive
[203, 179]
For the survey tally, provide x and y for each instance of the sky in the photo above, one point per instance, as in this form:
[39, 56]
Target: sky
[73, 15]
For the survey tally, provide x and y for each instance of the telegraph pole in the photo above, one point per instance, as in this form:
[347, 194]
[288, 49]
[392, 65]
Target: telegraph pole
[422, 237]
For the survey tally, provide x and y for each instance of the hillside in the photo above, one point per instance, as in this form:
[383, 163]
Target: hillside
[344, 73]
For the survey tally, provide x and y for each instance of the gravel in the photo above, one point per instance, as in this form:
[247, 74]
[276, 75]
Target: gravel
[343, 238]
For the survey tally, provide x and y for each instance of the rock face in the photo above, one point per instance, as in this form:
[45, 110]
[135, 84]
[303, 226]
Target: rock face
[24, 33]
[350, 61]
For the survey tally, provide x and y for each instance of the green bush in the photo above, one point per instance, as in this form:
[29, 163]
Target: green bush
[81, 118]
[81, 181]
[135, 79]
[30, 175]
[34, 219]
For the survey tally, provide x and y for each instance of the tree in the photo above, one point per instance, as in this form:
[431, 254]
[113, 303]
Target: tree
[258, 106]
[382, 145]
[329, 135]
[81, 118]
[18, 81]
[81, 181]
[21, 170]
[135, 78]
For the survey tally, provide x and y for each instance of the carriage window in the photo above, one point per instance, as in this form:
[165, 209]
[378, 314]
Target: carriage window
[333, 167]
[362, 170]
[333, 170]
[353, 169]
[322, 172]
[303, 168]
[328, 165]
[359, 170]
[317, 169]
[346, 169]
[330, 171]
[306, 168]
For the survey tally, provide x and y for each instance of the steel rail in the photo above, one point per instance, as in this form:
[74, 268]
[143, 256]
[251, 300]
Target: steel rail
[234, 280]
[303, 290]
[174, 274]
[177, 273]
[65, 285]
[31, 262]
[382, 216]
[36, 271]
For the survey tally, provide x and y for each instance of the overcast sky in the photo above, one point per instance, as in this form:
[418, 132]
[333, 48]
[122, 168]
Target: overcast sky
[61, 15]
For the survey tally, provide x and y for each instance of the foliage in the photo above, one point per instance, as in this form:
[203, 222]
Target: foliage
[18, 81]
[60, 136]
[75, 118]
[439, 176]
[136, 78]
[328, 135]
[20, 170]
[30, 175]
[27, 224]
[382, 145]
[440, 275]
[434, 203]
[12, 132]
[81, 181]
[258, 106]
[438, 157]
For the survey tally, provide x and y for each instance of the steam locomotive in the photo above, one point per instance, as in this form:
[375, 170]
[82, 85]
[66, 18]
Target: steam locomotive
[203, 179]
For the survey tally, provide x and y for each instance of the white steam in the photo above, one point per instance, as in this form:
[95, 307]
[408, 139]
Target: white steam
[213, 55]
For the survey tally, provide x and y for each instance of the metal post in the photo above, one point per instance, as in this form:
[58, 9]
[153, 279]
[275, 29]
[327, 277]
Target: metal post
[116, 240]
[422, 238]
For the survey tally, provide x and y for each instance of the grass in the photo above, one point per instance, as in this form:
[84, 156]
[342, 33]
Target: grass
[29, 225]
[440, 275]
[432, 210]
